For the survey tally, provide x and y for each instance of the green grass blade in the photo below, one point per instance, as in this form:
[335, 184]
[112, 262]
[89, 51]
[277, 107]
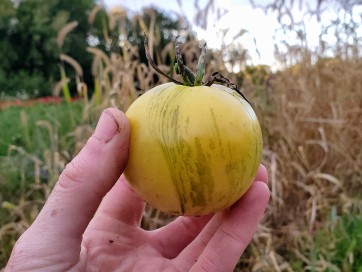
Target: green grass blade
[65, 87]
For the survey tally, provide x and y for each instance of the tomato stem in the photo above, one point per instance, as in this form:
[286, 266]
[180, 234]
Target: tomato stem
[188, 77]
[153, 64]
[186, 74]
[201, 67]
[217, 77]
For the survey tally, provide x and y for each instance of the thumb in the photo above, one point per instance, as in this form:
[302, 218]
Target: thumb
[83, 183]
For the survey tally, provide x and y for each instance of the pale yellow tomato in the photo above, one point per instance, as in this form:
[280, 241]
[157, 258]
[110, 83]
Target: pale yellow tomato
[193, 150]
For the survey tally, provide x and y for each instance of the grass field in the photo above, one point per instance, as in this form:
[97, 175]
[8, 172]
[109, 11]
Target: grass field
[19, 125]
[35, 142]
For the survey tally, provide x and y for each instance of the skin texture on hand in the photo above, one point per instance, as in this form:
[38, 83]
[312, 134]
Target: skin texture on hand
[91, 220]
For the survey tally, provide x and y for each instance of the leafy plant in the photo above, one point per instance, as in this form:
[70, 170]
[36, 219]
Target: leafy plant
[337, 247]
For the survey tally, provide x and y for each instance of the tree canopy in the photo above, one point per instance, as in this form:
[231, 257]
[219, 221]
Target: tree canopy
[29, 50]
[28, 45]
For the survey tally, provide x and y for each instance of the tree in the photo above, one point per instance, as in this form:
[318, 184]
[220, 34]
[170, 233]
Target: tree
[165, 29]
[29, 50]
[30, 53]
[7, 12]
[7, 52]
[131, 27]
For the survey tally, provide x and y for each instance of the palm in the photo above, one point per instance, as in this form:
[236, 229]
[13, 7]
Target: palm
[128, 250]
[114, 240]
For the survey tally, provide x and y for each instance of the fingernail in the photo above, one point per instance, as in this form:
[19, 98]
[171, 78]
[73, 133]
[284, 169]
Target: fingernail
[107, 127]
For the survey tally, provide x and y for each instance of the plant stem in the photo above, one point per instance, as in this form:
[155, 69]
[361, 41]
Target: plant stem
[201, 67]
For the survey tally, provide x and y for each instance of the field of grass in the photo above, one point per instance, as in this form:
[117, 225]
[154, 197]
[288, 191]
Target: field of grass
[311, 121]
[35, 143]
[20, 125]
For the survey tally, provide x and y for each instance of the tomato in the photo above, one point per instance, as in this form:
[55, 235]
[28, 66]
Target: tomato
[194, 150]
[195, 147]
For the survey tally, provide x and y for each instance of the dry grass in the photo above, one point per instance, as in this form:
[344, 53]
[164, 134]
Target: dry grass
[311, 120]
[313, 142]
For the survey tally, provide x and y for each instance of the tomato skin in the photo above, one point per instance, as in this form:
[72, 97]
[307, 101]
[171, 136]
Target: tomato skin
[193, 150]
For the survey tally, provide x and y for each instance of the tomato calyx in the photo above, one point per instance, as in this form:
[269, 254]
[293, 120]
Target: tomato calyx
[188, 77]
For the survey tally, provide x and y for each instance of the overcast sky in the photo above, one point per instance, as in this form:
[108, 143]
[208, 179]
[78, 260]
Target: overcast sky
[240, 15]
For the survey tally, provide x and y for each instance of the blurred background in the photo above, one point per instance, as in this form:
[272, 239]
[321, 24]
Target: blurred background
[299, 62]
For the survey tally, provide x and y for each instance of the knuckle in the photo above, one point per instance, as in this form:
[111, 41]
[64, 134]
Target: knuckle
[231, 236]
[72, 174]
[83, 165]
[209, 264]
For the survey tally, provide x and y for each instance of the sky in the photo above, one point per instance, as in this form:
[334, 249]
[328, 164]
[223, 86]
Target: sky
[240, 15]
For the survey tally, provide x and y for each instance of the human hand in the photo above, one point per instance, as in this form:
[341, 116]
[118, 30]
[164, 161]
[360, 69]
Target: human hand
[91, 220]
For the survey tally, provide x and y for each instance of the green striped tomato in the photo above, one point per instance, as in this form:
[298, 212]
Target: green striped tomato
[193, 150]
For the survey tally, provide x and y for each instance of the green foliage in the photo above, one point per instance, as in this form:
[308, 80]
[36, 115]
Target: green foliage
[7, 53]
[164, 30]
[31, 139]
[340, 244]
[131, 28]
[63, 117]
[23, 84]
[30, 55]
